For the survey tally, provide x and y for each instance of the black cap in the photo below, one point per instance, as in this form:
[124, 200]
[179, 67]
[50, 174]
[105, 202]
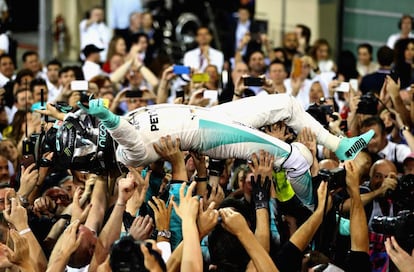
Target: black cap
[91, 48]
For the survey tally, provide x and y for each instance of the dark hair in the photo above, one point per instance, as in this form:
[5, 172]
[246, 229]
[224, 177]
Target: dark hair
[5, 55]
[401, 66]
[280, 49]
[88, 12]
[372, 121]
[277, 61]
[54, 62]
[99, 80]
[78, 73]
[22, 73]
[405, 16]
[76, 70]
[27, 54]
[203, 27]
[126, 255]
[306, 32]
[385, 56]
[347, 64]
[137, 36]
[366, 46]
[18, 119]
[248, 56]
[225, 249]
[37, 82]
[399, 50]
[318, 43]
[65, 69]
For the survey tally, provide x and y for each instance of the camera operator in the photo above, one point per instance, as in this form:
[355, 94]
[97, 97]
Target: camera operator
[375, 196]
[373, 192]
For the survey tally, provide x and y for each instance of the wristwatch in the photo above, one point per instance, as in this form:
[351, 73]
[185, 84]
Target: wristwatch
[404, 128]
[164, 233]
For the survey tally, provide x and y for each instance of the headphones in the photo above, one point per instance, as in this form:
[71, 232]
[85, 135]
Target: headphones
[404, 17]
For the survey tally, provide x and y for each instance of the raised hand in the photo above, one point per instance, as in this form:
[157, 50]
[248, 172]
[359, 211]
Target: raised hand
[44, 206]
[278, 130]
[188, 207]
[197, 98]
[15, 213]
[126, 188]
[352, 177]
[77, 212]
[141, 228]
[403, 260]
[216, 196]
[68, 241]
[239, 86]
[150, 261]
[262, 165]
[233, 221]
[207, 219]
[322, 191]
[98, 109]
[5, 254]
[168, 73]
[21, 253]
[168, 149]
[162, 213]
[389, 183]
[392, 87]
[308, 139]
[138, 196]
[28, 179]
[200, 163]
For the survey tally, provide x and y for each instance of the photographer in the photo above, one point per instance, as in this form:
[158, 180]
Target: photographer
[383, 179]
[375, 198]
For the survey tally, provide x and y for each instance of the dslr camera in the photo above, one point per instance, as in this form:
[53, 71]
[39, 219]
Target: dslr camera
[335, 177]
[321, 111]
[400, 226]
[34, 147]
[403, 195]
[368, 104]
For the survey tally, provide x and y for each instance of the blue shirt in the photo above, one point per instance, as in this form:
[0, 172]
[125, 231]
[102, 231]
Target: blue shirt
[121, 10]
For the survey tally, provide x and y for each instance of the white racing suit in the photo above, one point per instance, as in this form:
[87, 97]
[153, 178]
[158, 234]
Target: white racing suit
[200, 129]
[262, 110]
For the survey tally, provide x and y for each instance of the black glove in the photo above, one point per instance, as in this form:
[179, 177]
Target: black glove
[216, 167]
[260, 193]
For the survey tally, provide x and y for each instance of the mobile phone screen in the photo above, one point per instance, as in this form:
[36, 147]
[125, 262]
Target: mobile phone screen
[200, 78]
[181, 70]
[253, 81]
[79, 85]
[343, 87]
[297, 68]
[133, 93]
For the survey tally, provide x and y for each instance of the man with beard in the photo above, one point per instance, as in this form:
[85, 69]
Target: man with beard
[290, 45]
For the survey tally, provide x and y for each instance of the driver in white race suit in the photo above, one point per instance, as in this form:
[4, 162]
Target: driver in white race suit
[224, 131]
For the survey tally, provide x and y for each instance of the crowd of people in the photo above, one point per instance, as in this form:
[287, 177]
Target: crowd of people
[254, 158]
